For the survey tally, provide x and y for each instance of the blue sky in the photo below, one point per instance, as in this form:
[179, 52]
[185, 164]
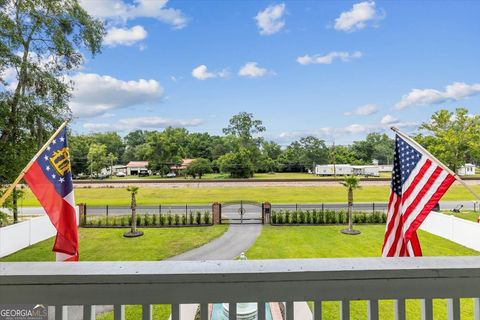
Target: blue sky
[334, 69]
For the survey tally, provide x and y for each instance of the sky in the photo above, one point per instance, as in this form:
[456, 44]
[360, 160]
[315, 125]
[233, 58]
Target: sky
[333, 69]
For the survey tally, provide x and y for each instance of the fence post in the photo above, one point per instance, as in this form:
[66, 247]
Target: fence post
[186, 211]
[373, 208]
[82, 213]
[322, 208]
[107, 213]
[296, 207]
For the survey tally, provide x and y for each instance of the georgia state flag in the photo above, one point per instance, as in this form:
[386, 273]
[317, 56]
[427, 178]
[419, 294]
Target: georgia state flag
[50, 179]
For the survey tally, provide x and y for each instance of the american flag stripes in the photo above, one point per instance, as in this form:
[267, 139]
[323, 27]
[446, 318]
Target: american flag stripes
[418, 183]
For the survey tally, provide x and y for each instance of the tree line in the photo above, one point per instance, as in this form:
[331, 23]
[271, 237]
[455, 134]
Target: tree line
[454, 137]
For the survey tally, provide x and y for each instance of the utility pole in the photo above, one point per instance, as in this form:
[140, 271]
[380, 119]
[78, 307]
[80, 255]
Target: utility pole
[334, 160]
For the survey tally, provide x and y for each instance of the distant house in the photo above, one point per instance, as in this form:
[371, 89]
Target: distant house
[467, 170]
[180, 167]
[114, 170]
[134, 167]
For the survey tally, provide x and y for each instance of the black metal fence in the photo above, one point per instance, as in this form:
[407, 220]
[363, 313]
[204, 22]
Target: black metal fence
[364, 207]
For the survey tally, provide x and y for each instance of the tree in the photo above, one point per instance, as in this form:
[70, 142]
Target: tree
[271, 149]
[237, 164]
[97, 158]
[244, 127]
[314, 151]
[199, 167]
[40, 42]
[112, 141]
[133, 205]
[454, 138]
[375, 146]
[79, 147]
[351, 183]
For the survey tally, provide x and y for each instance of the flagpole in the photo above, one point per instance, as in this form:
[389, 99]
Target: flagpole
[438, 161]
[24, 171]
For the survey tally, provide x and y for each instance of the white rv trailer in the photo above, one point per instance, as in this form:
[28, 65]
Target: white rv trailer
[330, 169]
[367, 171]
[467, 170]
[346, 169]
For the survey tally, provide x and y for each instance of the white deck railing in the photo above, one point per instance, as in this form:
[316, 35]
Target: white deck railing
[175, 283]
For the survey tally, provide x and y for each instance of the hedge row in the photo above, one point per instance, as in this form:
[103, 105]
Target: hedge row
[145, 220]
[325, 217]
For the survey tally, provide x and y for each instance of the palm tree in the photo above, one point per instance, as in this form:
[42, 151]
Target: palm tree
[351, 183]
[133, 231]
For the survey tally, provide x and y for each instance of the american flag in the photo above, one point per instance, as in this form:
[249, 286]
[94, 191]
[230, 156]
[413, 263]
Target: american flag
[418, 183]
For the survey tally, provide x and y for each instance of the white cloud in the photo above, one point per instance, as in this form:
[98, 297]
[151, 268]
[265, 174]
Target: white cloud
[95, 95]
[329, 58]
[251, 69]
[364, 110]
[142, 123]
[201, 73]
[270, 20]
[453, 92]
[117, 10]
[329, 133]
[358, 17]
[125, 36]
[388, 119]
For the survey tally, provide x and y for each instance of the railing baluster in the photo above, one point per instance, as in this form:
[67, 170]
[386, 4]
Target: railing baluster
[61, 313]
[204, 311]
[119, 312]
[261, 310]
[476, 308]
[453, 309]
[317, 310]
[344, 310]
[399, 309]
[372, 309]
[427, 313]
[232, 311]
[290, 310]
[147, 312]
[175, 311]
[88, 312]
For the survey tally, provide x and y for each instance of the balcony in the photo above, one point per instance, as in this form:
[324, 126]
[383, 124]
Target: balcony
[261, 281]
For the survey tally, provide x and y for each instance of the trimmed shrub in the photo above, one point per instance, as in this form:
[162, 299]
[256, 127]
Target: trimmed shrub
[177, 219]
[301, 217]
[161, 219]
[139, 220]
[123, 222]
[154, 219]
[190, 215]
[199, 217]
[129, 220]
[146, 219]
[169, 219]
[206, 217]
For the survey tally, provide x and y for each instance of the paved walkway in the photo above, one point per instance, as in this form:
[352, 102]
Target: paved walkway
[236, 240]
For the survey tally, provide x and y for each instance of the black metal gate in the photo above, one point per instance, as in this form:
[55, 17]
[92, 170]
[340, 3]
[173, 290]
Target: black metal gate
[242, 212]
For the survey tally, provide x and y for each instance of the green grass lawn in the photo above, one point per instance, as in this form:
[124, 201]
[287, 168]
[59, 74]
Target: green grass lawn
[327, 241]
[110, 245]
[207, 195]
[464, 214]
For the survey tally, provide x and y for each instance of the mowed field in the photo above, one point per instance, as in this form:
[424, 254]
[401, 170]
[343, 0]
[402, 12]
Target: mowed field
[328, 242]
[207, 195]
